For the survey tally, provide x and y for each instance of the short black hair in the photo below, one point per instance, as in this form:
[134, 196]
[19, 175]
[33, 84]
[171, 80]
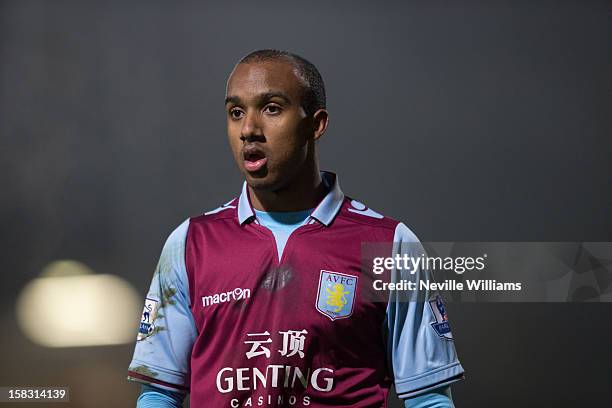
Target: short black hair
[314, 88]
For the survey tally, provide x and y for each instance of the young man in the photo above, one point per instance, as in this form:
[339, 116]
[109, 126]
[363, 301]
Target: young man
[258, 303]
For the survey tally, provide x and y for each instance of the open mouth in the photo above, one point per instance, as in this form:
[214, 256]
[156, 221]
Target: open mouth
[254, 158]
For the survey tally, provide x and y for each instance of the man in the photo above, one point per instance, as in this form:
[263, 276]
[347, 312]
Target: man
[258, 302]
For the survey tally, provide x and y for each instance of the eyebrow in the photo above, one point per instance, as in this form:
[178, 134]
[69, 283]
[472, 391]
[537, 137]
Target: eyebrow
[260, 98]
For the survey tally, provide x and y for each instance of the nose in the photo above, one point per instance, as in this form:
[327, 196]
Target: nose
[251, 128]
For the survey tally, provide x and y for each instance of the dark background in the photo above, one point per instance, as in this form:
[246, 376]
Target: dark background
[471, 121]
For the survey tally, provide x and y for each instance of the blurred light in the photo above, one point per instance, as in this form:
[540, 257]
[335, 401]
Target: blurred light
[70, 306]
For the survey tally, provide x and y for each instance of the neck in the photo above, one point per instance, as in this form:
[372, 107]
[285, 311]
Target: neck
[304, 192]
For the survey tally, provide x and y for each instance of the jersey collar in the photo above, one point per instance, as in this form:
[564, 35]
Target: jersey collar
[324, 212]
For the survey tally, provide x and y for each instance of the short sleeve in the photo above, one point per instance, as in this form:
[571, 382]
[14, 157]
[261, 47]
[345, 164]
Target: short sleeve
[420, 347]
[167, 330]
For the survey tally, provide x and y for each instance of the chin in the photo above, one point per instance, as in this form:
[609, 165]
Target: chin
[268, 183]
[260, 180]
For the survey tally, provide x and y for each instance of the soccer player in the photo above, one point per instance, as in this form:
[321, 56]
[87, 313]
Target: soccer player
[258, 303]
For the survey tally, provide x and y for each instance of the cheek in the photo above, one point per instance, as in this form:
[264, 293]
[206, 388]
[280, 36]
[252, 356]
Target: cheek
[233, 138]
[289, 153]
[288, 139]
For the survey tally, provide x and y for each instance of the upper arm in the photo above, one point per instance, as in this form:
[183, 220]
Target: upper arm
[167, 330]
[420, 346]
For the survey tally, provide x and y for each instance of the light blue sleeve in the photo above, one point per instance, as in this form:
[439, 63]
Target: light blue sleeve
[153, 397]
[167, 330]
[420, 348]
[437, 398]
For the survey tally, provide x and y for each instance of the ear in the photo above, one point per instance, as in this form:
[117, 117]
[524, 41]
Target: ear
[320, 120]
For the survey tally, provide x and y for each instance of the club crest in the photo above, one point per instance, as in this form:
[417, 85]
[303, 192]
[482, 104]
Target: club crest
[336, 294]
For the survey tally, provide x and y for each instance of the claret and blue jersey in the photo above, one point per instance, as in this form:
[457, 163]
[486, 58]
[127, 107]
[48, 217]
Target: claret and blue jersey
[237, 320]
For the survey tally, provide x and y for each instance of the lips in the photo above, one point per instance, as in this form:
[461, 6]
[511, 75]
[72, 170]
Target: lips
[254, 158]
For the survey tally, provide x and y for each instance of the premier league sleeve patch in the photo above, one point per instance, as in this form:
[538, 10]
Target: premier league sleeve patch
[149, 312]
[336, 294]
[441, 326]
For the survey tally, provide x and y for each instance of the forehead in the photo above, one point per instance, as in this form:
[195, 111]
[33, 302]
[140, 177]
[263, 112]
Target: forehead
[251, 79]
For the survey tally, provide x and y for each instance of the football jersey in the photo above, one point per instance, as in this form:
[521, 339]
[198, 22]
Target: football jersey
[235, 325]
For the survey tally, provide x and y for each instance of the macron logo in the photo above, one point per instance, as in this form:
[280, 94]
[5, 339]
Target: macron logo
[232, 295]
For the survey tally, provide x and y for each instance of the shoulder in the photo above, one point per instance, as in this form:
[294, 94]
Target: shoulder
[177, 236]
[174, 247]
[404, 234]
[357, 212]
[223, 212]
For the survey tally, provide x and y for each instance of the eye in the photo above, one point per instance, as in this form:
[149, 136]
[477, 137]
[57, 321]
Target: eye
[272, 109]
[236, 113]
